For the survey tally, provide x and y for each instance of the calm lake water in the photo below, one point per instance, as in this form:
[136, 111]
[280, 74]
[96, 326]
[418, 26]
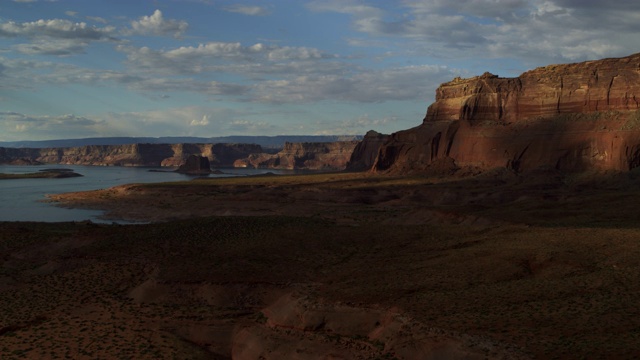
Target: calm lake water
[22, 199]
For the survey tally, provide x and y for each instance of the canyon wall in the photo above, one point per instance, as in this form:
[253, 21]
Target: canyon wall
[221, 155]
[572, 117]
[364, 154]
[308, 156]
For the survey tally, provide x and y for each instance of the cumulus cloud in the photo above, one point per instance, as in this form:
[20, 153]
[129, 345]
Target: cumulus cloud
[248, 10]
[249, 127]
[97, 19]
[20, 73]
[53, 47]
[403, 83]
[354, 125]
[202, 122]
[549, 30]
[55, 28]
[191, 120]
[55, 37]
[210, 56]
[156, 24]
[69, 125]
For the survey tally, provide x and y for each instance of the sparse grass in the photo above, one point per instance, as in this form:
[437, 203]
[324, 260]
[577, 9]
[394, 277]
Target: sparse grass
[554, 272]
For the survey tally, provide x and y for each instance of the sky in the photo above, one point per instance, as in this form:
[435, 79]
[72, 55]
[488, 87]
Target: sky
[89, 68]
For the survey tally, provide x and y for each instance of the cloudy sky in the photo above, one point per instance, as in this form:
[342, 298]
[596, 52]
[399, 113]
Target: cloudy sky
[82, 68]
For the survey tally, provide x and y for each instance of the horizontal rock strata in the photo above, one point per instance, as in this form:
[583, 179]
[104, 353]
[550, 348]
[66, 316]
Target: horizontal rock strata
[131, 155]
[572, 117]
[309, 156]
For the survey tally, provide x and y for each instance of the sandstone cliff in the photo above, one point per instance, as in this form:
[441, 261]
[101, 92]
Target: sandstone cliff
[365, 153]
[195, 165]
[220, 155]
[309, 156]
[571, 117]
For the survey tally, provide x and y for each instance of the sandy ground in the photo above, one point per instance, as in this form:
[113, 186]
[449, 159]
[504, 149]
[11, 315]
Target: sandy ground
[332, 266]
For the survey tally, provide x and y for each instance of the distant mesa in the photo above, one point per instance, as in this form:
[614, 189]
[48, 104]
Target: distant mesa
[24, 161]
[266, 142]
[195, 165]
[326, 156]
[294, 155]
[568, 118]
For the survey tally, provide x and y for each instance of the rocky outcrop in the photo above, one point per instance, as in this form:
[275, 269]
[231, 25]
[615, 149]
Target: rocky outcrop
[220, 155]
[572, 117]
[300, 327]
[364, 154]
[310, 156]
[195, 165]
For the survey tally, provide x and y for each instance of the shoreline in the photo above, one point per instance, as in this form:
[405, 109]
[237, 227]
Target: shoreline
[466, 259]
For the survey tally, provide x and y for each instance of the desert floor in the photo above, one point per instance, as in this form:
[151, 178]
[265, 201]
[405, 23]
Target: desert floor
[341, 265]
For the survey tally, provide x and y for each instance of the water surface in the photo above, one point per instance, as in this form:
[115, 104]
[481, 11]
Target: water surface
[22, 199]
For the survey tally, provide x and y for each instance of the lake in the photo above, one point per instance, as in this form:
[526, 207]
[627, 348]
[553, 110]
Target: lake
[22, 199]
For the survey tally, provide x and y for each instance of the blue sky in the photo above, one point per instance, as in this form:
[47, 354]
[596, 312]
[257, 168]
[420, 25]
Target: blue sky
[73, 69]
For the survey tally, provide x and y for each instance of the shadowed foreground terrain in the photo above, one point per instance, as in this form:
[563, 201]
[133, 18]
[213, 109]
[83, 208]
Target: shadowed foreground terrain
[332, 266]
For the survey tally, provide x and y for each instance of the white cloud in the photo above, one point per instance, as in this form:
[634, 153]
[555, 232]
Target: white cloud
[541, 30]
[57, 29]
[13, 124]
[18, 74]
[353, 126]
[248, 10]
[203, 122]
[249, 127]
[350, 7]
[53, 47]
[403, 83]
[55, 37]
[156, 24]
[97, 19]
[210, 56]
[180, 121]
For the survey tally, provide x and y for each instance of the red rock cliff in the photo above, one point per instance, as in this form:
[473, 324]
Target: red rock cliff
[571, 117]
[310, 156]
[364, 154]
[221, 154]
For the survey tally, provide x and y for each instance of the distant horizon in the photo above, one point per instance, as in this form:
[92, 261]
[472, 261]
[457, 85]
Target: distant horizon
[84, 69]
[269, 141]
[199, 137]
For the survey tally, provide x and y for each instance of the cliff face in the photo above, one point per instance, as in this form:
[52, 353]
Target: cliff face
[132, 155]
[571, 117]
[364, 154]
[195, 165]
[310, 156]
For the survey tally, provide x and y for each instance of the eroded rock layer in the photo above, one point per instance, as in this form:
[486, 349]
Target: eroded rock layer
[572, 117]
[364, 154]
[132, 155]
[309, 156]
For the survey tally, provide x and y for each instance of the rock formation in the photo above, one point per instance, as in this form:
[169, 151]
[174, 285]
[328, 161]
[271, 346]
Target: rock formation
[220, 155]
[364, 154]
[310, 156]
[572, 117]
[195, 165]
